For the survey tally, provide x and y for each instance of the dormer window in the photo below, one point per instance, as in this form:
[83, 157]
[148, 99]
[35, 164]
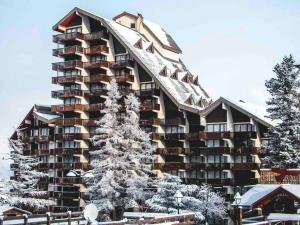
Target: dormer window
[139, 44]
[150, 48]
[175, 75]
[185, 79]
[163, 72]
[189, 100]
[195, 81]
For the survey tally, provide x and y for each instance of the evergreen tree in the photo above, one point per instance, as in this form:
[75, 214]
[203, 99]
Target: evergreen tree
[23, 190]
[201, 200]
[118, 163]
[283, 108]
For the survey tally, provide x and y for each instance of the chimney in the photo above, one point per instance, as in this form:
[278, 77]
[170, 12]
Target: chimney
[139, 22]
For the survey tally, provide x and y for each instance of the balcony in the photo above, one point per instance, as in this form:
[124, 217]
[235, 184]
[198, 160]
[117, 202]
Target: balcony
[66, 93]
[95, 36]
[69, 151]
[149, 107]
[96, 64]
[150, 122]
[171, 151]
[156, 136]
[202, 135]
[210, 150]
[69, 122]
[70, 166]
[67, 79]
[72, 136]
[72, 64]
[124, 78]
[122, 64]
[14, 166]
[43, 152]
[68, 180]
[171, 166]
[97, 78]
[40, 138]
[44, 166]
[97, 91]
[96, 50]
[148, 92]
[173, 121]
[65, 194]
[174, 136]
[245, 135]
[62, 38]
[94, 107]
[67, 108]
[70, 50]
[247, 150]
[245, 166]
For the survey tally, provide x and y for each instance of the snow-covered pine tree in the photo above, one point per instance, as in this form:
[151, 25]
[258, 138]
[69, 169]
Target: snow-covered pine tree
[283, 107]
[23, 189]
[202, 200]
[120, 174]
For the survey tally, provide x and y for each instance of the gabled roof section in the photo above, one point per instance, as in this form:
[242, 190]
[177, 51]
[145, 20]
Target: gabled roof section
[261, 191]
[153, 63]
[251, 110]
[66, 19]
[124, 14]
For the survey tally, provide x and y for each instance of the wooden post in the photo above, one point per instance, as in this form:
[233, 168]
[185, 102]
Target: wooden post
[48, 218]
[25, 219]
[1, 220]
[69, 217]
[240, 215]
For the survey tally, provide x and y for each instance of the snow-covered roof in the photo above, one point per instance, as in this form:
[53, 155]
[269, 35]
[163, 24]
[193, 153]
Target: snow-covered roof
[178, 90]
[143, 215]
[4, 208]
[153, 63]
[161, 34]
[261, 190]
[46, 117]
[254, 111]
[283, 217]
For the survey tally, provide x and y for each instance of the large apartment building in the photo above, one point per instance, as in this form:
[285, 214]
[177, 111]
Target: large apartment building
[198, 139]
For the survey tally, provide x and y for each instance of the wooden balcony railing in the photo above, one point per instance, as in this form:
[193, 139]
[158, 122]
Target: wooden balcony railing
[210, 150]
[40, 138]
[68, 180]
[65, 195]
[69, 122]
[95, 36]
[72, 64]
[96, 50]
[70, 166]
[60, 38]
[70, 50]
[97, 78]
[67, 79]
[247, 150]
[124, 78]
[171, 166]
[150, 122]
[94, 107]
[66, 93]
[149, 107]
[96, 64]
[69, 151]
[174, 136]
[72, 136]
[67, 108]
[173, 121]
[171, 151]
[208, 135]
[245, 166]
[44, 166]
[122, 64]
[245, 135]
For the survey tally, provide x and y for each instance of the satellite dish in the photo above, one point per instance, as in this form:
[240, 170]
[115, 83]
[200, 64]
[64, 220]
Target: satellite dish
[90, 212]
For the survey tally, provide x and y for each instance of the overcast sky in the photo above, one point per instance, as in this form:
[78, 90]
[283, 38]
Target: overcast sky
[231, 45]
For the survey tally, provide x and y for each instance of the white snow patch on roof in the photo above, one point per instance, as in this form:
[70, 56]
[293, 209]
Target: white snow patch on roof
[47, 116]
[158, 32]
[155, 63]
[260, 190]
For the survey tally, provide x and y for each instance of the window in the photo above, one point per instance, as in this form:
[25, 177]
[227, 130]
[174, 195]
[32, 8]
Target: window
[74, 30]
[72, 87]
[244, 127]
[213, 143]
[123, 57]
[71, 130]
[43, 159]
[35, 133]
[220, 127]
[132, 25]
[44, 131]
[71, 144]
[96, 58]
[213, 159]
[148, 86]
[72, 73]
[72, 101]
[43, 146]
[198, 159]
[174, 129]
